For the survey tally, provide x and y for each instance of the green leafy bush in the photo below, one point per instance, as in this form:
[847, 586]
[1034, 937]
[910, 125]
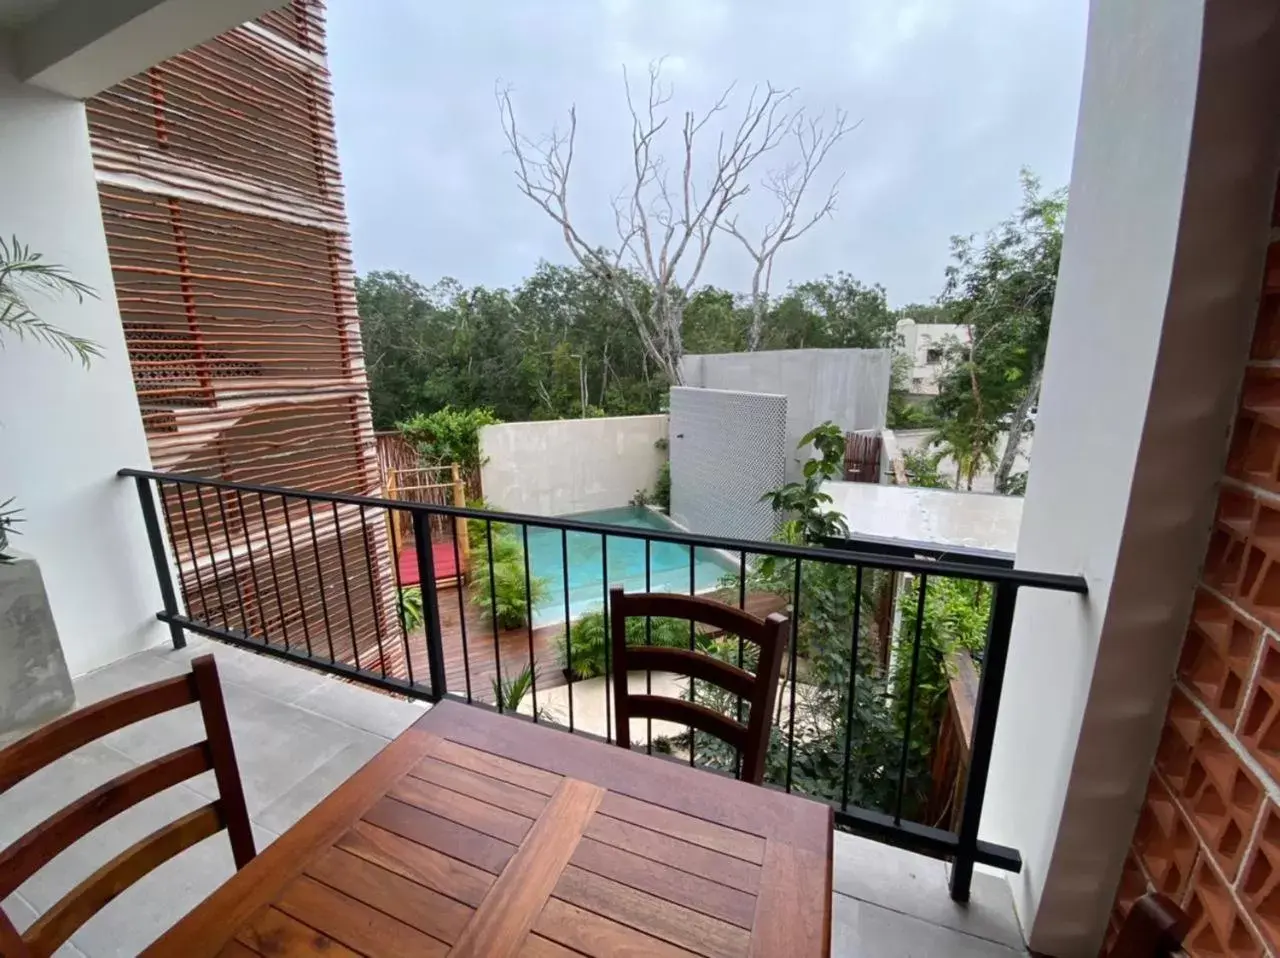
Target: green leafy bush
[506, 597]
[449, 435]
[409, 603]
[584, 653]
[511, 692]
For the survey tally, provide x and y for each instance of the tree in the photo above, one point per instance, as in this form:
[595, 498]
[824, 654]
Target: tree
[664, 229]
[835, 312]
[1002, 288]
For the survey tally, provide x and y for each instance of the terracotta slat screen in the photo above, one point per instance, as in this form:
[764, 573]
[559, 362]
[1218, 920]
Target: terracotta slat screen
[222, 203]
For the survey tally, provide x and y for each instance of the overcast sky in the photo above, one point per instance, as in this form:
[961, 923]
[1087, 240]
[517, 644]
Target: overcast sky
[953, 97]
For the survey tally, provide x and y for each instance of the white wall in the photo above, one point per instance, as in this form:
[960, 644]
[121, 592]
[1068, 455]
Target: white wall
[915, 341]
[65, 430]
[1174, 168]
[849, 387]
[563, 466]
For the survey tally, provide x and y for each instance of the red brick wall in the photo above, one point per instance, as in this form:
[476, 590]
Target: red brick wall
[1209, 831]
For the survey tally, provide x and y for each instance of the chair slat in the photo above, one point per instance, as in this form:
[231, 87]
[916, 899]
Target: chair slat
[711, 612]
[83, 726]
[694, 664]
[57, 924]
[688, 713]
[22, 859]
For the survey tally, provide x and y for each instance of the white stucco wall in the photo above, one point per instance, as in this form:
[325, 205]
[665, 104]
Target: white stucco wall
[849, 387]
[563, 466]
[65, 430]
[1171, 188]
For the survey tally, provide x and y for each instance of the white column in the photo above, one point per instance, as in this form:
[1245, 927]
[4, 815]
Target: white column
[1171, 190]
[65, 430]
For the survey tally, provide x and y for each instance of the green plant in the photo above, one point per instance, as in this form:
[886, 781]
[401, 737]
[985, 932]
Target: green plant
[662, 488]
[584, 653]
[641, 498]
[508, 598]
[449, 435]
[23, 271]
[922, 469]
[409, 604]
[511, 692]
[802, 502]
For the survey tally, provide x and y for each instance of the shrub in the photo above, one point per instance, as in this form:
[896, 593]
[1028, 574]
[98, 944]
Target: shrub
[409, 602]
[449, 435]
[588, 638]
[512, 600]
[511, 692]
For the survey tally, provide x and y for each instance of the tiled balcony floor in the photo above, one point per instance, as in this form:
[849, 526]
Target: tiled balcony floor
[299, 734]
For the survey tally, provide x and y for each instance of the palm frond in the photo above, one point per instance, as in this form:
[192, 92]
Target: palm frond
[21, 268]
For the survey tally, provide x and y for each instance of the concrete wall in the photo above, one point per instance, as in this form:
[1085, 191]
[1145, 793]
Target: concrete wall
[65, 430]
[1173, 177]
[564, 466]
[850, 387]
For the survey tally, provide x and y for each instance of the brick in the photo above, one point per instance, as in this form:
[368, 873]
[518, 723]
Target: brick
[1217, 928]
[1217, 656]
[1221, 797]
[1224, 560]
[1260, 395]
[1260, 880]
[1164, 841]
[1133, 885]
[1254, 455]
[1181, 729]
[1266, 331]
[1260, 728]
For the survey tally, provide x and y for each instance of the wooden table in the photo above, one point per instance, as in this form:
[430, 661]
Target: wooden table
[481, 835]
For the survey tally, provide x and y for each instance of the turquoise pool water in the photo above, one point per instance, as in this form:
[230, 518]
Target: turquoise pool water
[668, 563]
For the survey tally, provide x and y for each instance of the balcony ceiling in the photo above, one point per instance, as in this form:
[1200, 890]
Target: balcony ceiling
[15, 13]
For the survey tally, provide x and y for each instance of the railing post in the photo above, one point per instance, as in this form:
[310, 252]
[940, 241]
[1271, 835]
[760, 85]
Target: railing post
[430, 603]
[167, 595]
[984, 730]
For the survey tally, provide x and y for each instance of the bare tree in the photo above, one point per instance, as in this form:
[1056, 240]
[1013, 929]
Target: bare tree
[664, 228]
[788, 185]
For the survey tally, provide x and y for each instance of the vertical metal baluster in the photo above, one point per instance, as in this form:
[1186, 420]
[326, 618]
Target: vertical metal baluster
[648, 640]
[173, 544]
[742, 604]
[911, 701]
[528, 611]
[235, 572]
[425, 552]
[213, 562]
[275, 578]
[297, 576]
[195, 559]
[493, 612]
[404, 632]
[159, 559]
[791, 670]
[693, 683]
[608, 673]
[253, 566]
[853, 689]
[373, 593]
[462, 606]
[346, 584]
[324, 603]
[568, 631]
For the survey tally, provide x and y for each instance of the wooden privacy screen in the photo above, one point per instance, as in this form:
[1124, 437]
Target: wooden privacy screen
[222, 203]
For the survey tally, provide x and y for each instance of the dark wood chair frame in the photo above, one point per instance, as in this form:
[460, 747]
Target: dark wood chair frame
[760, 690]
[20, 860]
[1154, 928]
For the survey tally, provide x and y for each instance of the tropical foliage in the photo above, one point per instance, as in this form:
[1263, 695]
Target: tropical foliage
[502, 587]
[584, 654]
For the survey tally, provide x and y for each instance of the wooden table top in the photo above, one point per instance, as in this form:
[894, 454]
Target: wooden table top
[480, 835]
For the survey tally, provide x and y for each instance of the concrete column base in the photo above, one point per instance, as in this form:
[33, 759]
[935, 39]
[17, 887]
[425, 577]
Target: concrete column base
[34, 682]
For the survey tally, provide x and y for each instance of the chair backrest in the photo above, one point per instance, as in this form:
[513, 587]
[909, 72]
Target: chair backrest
[1154, 928]
[760, 690]
[20, 860]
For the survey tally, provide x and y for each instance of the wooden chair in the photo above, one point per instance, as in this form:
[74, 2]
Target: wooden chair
[1154, 928]
[760, 690]
[28, 854]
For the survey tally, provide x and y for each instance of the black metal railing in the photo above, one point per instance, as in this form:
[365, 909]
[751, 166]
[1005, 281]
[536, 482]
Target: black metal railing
[324, 579]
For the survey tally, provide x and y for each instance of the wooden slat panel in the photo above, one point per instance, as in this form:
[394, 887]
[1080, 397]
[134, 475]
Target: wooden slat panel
[459, 808]
[696, 831]
[457, 841]
[504, 918]
[355, 924]
[655, 916]
[490, 790]
[426, 866]
[273, 933]
[590, 934]
[495, 766]
[424, 909]
[733, 872]
[701, 894]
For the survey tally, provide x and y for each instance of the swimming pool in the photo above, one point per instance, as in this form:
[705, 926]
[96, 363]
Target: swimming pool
[668, 563]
